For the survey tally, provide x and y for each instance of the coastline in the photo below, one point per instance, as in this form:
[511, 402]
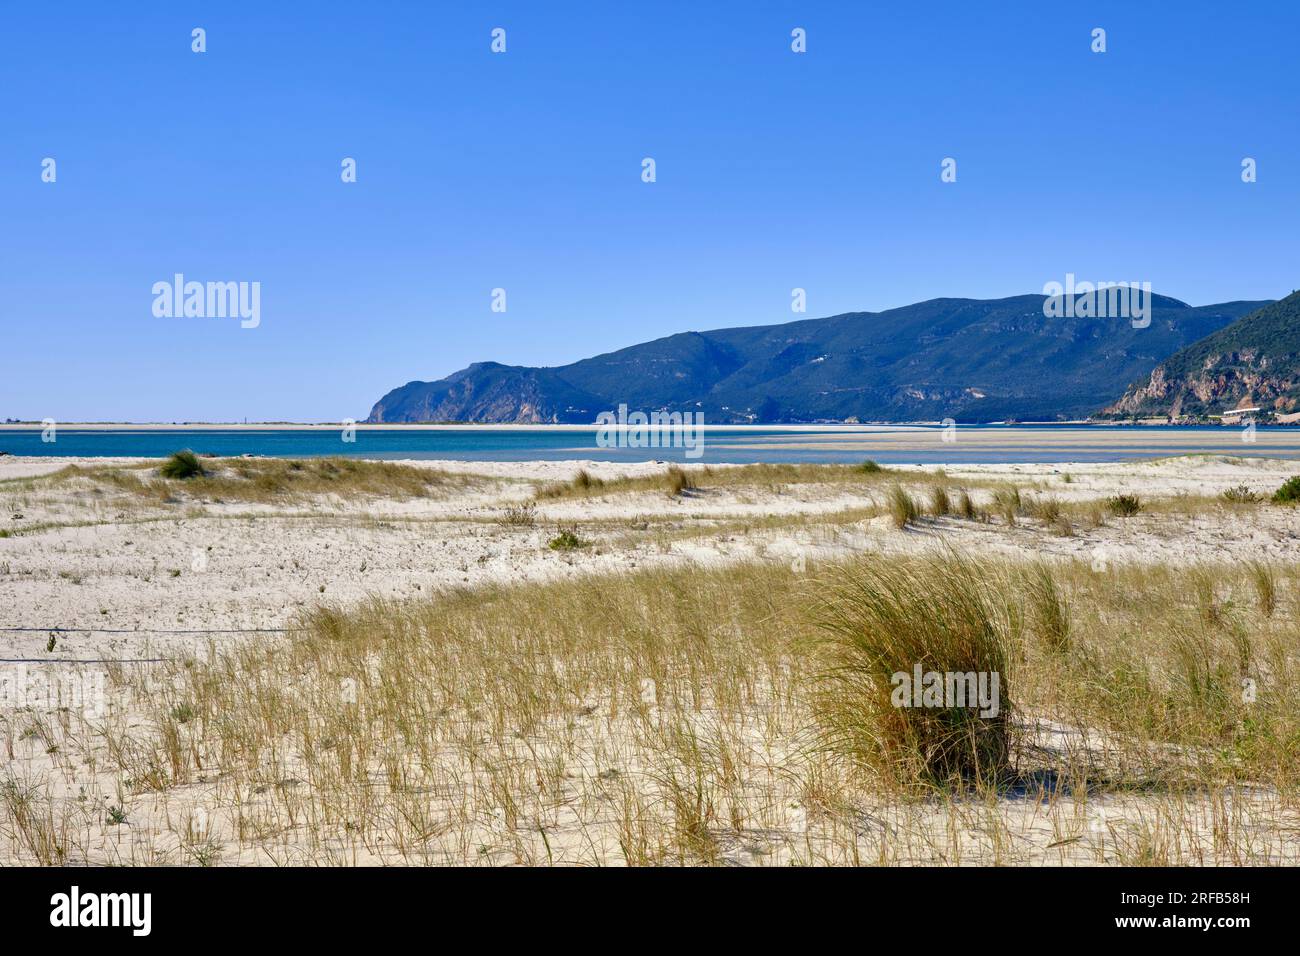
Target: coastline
[559, 427]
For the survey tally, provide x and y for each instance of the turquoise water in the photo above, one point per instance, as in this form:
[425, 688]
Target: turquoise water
[720, 445]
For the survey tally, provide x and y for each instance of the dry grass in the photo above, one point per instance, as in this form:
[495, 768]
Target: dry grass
[1045, 607]
[519, 516]
[940, 501]
[265, 480]
[702, 716]
[903, 510]
[1007, 503]
[676, 479]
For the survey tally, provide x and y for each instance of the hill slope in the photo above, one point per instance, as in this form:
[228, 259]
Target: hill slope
[1255, 361]
[967, 359]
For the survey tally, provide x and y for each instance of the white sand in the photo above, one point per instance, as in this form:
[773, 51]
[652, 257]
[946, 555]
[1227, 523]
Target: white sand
[106, 564]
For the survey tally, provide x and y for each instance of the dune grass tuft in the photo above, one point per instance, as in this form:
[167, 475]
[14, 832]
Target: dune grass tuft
[879, 621]
[966, 506]
[181, 465]
[274, 479]
[1264, 577]
[1007, 503]
[940, 501]
[679, 481]
[1046, 607]
[902, 507]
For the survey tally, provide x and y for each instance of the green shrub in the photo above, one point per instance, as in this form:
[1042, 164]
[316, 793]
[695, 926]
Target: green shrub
[1124, 505]
[1289, 493]
[567, 540]
[1239, 495]
[181, 465]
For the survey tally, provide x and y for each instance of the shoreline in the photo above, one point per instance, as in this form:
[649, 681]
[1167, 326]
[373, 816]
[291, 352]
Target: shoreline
[441, 426]
[568, 427]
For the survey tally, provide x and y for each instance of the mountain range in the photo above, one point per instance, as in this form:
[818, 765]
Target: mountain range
[967, 359]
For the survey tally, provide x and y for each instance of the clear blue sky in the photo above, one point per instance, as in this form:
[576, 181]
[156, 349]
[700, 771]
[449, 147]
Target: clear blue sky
[522, 171]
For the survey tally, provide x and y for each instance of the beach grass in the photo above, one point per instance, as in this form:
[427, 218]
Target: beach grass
[705, 477]
[680, 715]
[186, 477]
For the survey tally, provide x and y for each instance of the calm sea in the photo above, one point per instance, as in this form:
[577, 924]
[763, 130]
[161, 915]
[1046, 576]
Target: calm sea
[975, 444]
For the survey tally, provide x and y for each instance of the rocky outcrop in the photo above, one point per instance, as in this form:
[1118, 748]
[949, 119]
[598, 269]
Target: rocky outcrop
[1251, 363]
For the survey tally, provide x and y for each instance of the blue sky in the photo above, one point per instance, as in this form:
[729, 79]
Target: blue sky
[522, 171]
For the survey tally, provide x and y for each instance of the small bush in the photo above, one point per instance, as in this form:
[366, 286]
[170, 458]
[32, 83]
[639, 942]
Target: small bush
[870, 467]
[1289, 493]
[1240, 495]
[520, 516]
[567, 540]
[902, 509]
[1124, 505]
[181, 465]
